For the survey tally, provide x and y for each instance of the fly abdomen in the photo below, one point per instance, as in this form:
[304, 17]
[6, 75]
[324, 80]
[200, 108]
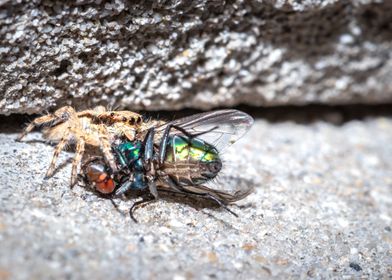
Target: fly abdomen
[182, 148]
[191, 161]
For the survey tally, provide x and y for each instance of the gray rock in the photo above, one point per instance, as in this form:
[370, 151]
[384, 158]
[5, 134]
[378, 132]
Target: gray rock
[322, 208]
[200, 54]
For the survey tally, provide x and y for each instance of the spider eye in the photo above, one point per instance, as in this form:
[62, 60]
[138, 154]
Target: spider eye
[131, 121]
[124, 119]
[65, 115]
[112, 114]
[139, 120]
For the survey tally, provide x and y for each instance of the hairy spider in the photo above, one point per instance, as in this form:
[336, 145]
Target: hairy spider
[97, 128]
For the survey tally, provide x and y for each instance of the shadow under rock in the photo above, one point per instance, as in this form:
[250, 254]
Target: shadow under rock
[306, 114]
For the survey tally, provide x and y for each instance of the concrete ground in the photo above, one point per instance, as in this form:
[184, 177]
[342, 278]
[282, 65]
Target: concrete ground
[322, 208]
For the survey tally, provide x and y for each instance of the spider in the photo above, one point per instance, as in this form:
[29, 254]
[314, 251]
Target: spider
[97, 128]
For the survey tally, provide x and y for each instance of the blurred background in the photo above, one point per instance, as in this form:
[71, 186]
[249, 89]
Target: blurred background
[317, 77]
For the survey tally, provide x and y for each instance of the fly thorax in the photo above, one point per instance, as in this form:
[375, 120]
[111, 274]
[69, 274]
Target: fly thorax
[191, 161]
[129, 155]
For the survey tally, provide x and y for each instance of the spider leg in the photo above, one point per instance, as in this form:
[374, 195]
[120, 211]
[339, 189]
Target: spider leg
[36, 122]
[138, 204]
[106, 148]
[128, 130]
[91, 113]
[48, 120]
[61, 115]
[77, 160]
[59, 148]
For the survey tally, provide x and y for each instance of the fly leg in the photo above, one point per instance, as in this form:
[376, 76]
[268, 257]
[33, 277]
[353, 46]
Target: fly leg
[137, 204]
[148, 162]
[116, 206]
[125, 187]
[148, 145]
[219, 202]
[152, 187]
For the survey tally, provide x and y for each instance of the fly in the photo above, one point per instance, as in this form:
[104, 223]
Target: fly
[180, 156]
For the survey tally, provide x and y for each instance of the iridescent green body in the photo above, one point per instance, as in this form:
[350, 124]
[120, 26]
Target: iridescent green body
[191, 161]
[187, 161]
[181, 148]
[129, 153]
[129, 156]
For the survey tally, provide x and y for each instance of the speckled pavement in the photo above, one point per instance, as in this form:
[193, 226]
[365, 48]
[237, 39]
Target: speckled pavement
[322, 208]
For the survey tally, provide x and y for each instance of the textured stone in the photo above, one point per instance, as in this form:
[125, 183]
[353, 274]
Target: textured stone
[200, 54]
[322, 208]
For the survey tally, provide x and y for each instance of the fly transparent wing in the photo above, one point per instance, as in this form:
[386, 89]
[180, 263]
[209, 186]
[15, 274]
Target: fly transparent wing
[201, 190]
[220, 128]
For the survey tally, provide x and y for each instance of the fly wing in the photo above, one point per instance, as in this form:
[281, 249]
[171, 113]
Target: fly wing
[220, 128]
[203, 191]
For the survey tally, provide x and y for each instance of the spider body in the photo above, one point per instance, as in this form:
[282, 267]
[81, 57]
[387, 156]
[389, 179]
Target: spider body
[97, 128]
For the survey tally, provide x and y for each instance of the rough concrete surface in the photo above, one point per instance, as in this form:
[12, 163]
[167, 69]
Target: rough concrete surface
[322, 208]
[195, 54]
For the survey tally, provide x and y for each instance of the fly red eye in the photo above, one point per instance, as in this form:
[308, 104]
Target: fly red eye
[106, 186]
[98, 177]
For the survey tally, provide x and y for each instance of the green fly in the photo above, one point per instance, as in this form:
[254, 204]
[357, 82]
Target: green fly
[180, 156]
